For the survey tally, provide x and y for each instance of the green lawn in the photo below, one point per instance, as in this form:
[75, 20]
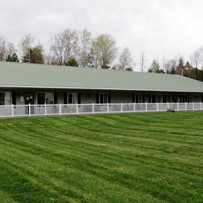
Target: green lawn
[143, 157]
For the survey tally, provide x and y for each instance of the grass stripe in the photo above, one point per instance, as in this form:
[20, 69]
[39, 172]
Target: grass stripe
[155, 157]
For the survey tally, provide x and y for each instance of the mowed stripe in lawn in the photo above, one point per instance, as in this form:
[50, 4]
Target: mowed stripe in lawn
[154, 157]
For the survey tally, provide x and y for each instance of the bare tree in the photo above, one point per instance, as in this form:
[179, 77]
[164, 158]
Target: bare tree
[10, 49]
[125, 60]
[6, 49]
[197, 57]
[31, 49]
[103, 51]
[171, 66]
[180, 66]
[65, 46]
[2, 49]
[26, 43]
[85, 43]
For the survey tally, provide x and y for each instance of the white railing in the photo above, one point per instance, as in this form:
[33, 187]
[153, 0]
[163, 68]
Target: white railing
[78, 109]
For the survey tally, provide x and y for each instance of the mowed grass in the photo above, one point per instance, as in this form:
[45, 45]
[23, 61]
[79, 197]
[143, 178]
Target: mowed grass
[146, 157]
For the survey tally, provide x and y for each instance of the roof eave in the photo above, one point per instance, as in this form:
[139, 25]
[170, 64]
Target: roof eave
[97, 88]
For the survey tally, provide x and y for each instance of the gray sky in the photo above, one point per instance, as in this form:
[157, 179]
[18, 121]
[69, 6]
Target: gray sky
[162, 28]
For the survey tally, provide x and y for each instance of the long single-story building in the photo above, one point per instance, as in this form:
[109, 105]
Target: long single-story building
[39, 84]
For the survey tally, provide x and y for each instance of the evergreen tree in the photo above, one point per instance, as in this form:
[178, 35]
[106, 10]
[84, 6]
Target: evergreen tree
[155, 67]
[12, 58]
[34, 55]
[72, 62]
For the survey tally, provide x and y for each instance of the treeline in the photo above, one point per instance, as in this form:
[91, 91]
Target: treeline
[83, 49]
[192, 68]
[70, 48]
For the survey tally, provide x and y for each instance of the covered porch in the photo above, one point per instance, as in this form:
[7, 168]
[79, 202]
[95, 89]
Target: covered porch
[53, 96]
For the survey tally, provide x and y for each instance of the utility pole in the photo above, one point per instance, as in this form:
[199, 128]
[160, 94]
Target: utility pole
[143, 60]
[164, 65]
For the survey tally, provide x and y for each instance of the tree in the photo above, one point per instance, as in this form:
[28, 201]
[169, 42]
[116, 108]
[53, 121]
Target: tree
[180, 67]
[85, 43]
[26, 43]
[104, 51]
[12, 58]
[32, 52]
[34, 55]
[7, 49]
[171, 66]
[125, 60]
[72, 62]
[155, 67]
[65, 46]
[197, 57]
[2, 49]
[187, 69]
[11, 53]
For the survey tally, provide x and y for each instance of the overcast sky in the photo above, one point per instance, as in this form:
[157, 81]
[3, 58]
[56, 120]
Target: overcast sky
[162, 28]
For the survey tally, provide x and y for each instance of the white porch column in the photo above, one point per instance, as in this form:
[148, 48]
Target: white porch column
[157, 107]
[92, 108]
[45, 109]
[12, 110]
[29, 109]
[59, 109]
[146, 106]
[178, 106]
[76, 109]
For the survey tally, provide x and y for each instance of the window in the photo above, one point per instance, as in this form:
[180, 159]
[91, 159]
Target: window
[158, 98]
[2, 98]
[103, 98]
[153, 98]
[185, 98]
[72, 98]
[138, 98]
[168, 98]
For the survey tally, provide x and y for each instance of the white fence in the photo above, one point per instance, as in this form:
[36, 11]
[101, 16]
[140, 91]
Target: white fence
[77, 109]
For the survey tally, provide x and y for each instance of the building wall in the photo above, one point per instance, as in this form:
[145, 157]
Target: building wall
[91, 95]
[196, 98]
[122, 97]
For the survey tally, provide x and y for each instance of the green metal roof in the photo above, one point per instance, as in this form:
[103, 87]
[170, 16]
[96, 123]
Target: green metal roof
[20, 75]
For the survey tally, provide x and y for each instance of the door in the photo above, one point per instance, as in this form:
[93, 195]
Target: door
[2, 98]
[14, 98]
[41, 98]
[29, 99]
[72, 98]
